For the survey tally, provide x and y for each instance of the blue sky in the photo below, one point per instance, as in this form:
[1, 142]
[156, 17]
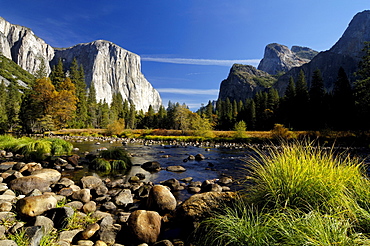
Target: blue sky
[187, 46]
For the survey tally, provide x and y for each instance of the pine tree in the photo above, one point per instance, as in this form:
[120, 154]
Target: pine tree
[302, 100]
[343, 104]
[57, 75]
[3, 115]
[289, 105]
[250, 114]
[41, 71]
[78, 78]
[131, 122]
[92, 107]
[317, 117]
[13, 105]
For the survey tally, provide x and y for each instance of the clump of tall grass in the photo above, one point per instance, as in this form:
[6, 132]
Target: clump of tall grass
[307, 177]
[36, 149]
[111, 159]
[239, 224]
[299, 194]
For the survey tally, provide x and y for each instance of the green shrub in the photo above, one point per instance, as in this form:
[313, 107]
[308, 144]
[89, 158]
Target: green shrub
[240, 128]
[280, 132]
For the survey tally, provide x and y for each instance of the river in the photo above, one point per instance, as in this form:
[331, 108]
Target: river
[219, 162]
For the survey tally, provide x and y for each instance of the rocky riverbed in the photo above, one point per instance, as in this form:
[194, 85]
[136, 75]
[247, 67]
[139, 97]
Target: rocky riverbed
[37, 199]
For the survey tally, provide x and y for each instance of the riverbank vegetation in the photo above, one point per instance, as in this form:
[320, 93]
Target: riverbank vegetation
[35, 149]
[296, 194]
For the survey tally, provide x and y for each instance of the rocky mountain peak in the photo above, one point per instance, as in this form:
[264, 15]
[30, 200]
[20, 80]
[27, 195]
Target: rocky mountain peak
[352, 41]
[279, 58]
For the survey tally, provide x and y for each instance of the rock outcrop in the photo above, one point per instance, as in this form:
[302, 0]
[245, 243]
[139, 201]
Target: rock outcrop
[109, 67]
[279, 58]
[244, 81]
[22, 46]
[346, 53]
[112, 69]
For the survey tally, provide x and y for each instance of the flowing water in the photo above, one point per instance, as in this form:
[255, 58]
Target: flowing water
[219, 162]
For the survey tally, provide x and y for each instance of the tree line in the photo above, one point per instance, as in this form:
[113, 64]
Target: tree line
[63, 100]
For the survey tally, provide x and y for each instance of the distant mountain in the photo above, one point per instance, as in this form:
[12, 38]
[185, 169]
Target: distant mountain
[244, 81]
[109, 67]
[279, 58]
[346, 53]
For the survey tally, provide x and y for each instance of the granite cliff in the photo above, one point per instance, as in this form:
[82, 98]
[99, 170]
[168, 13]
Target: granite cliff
[108, 66]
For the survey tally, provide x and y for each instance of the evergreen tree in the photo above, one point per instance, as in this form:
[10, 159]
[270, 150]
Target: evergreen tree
[289, 105]
[92, 107]
[3, 100]
[131, 119]
[317, 110]
[13, 106]
[78, 78]
[162, 117]
[57, 75]
[250, 114]
[209, 110]
[102, 115]
[302, 100]
[41, 71]
[116, 107]
[343, 104]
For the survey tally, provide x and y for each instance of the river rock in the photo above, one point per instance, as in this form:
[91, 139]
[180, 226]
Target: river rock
[124, 197]
[35, 234]
[6, 206]
[199, 206]
[91, 182]
[35, 205]
[73, 159]
[89, 231]
[151, 166]
[45, 222]
[82, 195]
[7, 243]
[108, 206]
[77, 205]
[64, 183]
[225, 181]
[161, 199]
[50, 175]
[101, 243]
[145, 226]
[174, 184]
[68, 236]
[199, 157]
[89, 207]
[176, 169]
[163, 243]
[108, 231]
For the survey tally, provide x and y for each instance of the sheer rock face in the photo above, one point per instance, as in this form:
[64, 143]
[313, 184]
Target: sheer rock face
[112, 69]
[109, 67]
[22, 46]
[279, 58]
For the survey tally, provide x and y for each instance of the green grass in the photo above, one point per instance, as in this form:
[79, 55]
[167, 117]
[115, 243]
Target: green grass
[297, 194]
[36, 149]
[112, 159]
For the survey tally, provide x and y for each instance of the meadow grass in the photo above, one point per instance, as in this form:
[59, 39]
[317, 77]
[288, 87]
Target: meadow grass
[297, 194]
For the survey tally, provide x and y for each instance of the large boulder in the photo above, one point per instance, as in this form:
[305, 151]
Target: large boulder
[50, 175]
[25, 185]
[161, 199]
[145, 226]
[200, 206]
[35, 205]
